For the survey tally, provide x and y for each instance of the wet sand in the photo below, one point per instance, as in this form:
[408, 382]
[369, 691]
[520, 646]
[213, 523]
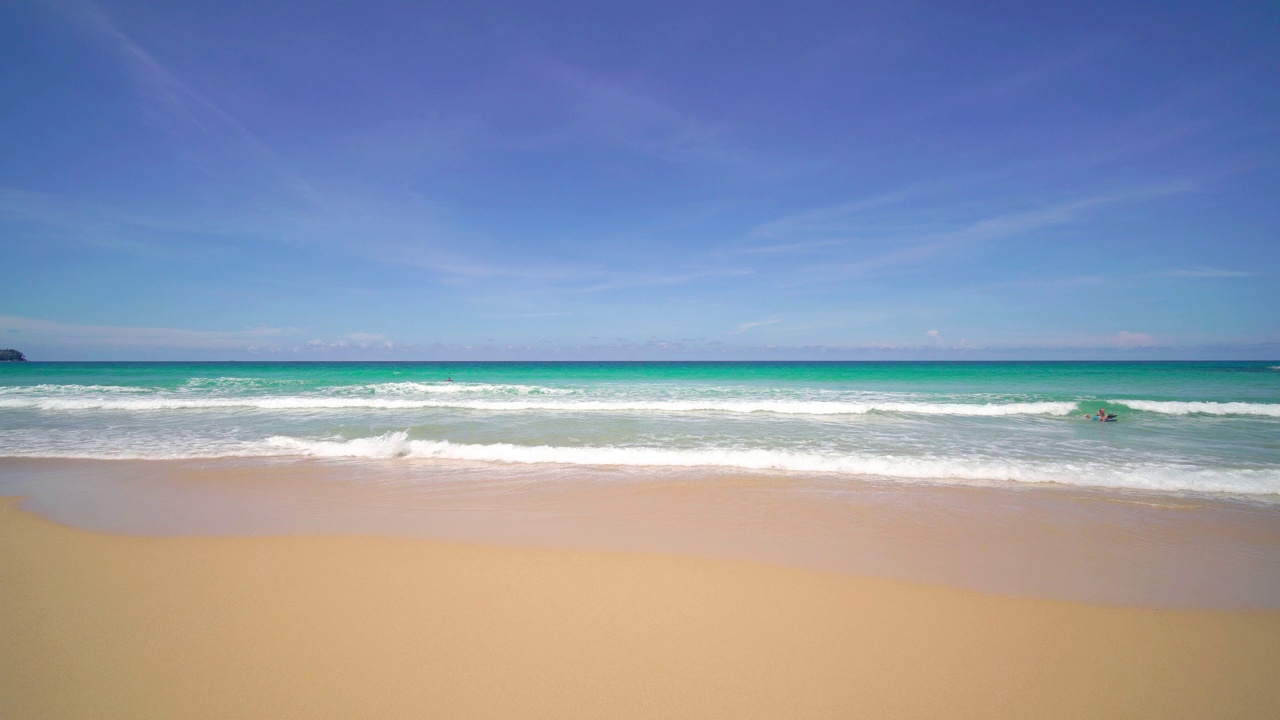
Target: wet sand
[1102, 547]
[100, 626]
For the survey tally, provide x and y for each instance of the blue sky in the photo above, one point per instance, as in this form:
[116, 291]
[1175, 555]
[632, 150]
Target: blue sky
[651, 180]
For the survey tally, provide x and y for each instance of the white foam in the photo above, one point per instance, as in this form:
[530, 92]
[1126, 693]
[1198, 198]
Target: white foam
[136, 453]
[37, 390]
[1202, 408]
[1148, 474]
[238, 383]
[450, 388]
[1145, 477]
[319, 402]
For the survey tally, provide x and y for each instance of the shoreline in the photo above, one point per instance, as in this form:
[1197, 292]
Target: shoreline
[339, 626]
[1138, 550]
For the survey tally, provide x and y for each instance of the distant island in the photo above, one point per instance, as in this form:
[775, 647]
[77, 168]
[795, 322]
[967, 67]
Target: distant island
[9, 355]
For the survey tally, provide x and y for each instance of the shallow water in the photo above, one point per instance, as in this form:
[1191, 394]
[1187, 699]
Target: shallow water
[1183, 427]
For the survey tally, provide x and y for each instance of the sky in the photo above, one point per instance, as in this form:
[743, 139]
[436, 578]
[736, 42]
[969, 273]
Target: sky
[651, 180]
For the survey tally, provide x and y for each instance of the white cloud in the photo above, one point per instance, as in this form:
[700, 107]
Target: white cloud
[623, 113]
[833, 219]
[205, 132]
[1130, 339]
[1208, 273]
[355, 341]
[625, 281]
[788, 248]
[748, 325]
[925, 247]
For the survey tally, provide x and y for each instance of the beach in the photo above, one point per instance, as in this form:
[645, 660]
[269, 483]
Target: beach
[692, 540]
[1064, 543]
[362, 626]
[666, 360]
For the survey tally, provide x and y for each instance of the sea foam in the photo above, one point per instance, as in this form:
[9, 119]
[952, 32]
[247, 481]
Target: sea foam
[1202, 408]
[1141, 477]
[1147, 473]
[455, 388]
[325, 402]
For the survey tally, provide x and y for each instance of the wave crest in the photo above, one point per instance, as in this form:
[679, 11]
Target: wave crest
[1171, 407]
[1152, 477]
[780, 407]
[409, 387]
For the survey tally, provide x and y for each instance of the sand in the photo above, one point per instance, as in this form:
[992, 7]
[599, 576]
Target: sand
[1081, 545]
[107, 626]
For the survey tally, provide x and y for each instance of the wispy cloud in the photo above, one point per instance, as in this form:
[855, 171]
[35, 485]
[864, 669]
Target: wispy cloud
[783, 249]
[1207, 273]
[920, 248]
[1048, 283]
[921, 222]
[755, 324]
[118, 336]
[408, 233]
[394, 228]
[1124, 338]
[145, 340]
[599, 108]
[203, 130]
[353, 341]
[628, 281]
[88, 223]
[839, 219]
[514, 316]
[132, 341]
[1037, 74]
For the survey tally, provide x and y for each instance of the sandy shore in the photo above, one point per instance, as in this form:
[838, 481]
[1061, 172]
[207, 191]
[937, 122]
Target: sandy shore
[102, 626]
[1088, 546]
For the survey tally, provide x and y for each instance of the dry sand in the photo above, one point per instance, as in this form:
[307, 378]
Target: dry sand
[102, 626]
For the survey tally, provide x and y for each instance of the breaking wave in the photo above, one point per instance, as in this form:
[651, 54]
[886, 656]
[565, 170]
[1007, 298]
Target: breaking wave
[782, 407]
[454, 388]
[1145, 477]
[1148, 474]
[1202, 408]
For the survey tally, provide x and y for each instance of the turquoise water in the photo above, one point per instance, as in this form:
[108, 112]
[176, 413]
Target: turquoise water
[1183, 427]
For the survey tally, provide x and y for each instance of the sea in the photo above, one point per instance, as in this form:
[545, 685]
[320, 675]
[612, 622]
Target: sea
[1182, 428]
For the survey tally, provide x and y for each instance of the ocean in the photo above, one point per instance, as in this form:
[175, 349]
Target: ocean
[1182, 428]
